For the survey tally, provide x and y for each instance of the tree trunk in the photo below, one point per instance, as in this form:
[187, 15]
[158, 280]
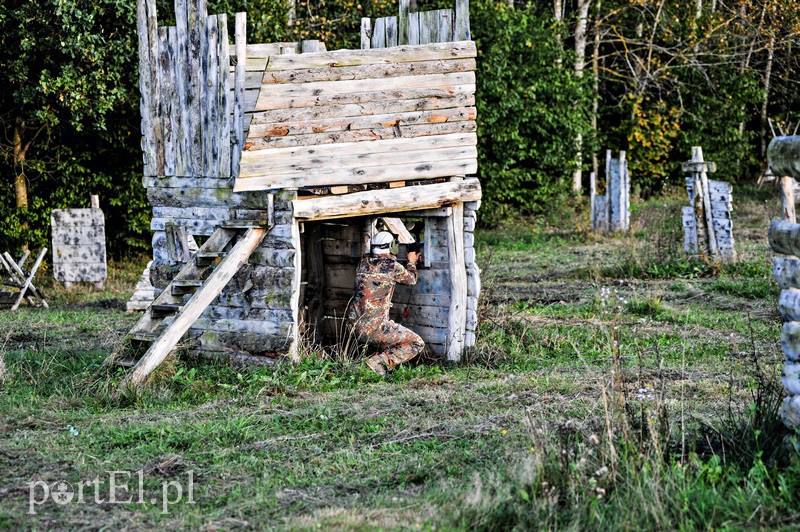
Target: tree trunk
[765, 102]
[558, 13]
[596, 86]
[19, 150]
[580, 62]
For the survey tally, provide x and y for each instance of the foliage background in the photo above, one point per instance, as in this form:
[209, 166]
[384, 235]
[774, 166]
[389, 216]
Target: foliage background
[668, 79]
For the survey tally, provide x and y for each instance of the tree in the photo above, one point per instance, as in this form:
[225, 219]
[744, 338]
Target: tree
[61, 69]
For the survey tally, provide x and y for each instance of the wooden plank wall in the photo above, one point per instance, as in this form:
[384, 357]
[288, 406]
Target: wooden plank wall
[611, 211]
[377, 116]
[188, 92]
[784, 238]
[79, 245]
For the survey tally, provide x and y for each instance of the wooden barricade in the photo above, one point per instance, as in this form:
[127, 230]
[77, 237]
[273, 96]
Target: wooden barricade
[611, 212]
[79, 245]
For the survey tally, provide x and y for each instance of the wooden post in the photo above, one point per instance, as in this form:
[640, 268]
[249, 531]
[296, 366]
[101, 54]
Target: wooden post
[697, 156]
[462, 31]
[240, 39]
[225, 104]
[144, 86]
[185, 164]
[402, 22]
[294, 302]
[457, 321]
[366, 33]
[95, 201]
[787, 198]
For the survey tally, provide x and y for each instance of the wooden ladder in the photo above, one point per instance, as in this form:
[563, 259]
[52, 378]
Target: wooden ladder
[170, 315]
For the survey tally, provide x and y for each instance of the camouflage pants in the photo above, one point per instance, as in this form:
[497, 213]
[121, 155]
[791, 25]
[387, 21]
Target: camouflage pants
[396, 343]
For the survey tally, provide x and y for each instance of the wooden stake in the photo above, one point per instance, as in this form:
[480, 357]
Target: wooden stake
[787, 198]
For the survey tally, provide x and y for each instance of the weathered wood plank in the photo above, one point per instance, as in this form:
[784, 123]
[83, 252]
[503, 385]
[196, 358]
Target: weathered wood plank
[362, 109]
[145, 88]
[413, 28]
[445, 21]
[225, 97]
[391, 32]
[404, 7]
[356, 97]
[240, 37]
[175, 147]
[155, 104]
[366, 33]
[379, 33]
[323, 88]
[387, 201]
[211, 111]
[435, 116]
[362, 135]
[358, 175]
[307, 154]
[431, 52]
[372, 71]
[462, 31]
[165, 71]
[185, 164]
[194, 86]
[456, 327]
[339, 165]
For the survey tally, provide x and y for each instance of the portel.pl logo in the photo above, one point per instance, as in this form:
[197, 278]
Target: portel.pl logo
[117, 490]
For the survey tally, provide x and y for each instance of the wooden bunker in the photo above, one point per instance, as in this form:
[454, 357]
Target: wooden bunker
[280, 158]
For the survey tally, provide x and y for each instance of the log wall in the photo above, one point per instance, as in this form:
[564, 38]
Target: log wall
[784, 238]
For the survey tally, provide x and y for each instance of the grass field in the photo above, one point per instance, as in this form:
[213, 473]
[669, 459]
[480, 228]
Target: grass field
[615, 384]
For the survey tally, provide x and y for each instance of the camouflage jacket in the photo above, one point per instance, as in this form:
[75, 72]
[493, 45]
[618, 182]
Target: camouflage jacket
[376, 277]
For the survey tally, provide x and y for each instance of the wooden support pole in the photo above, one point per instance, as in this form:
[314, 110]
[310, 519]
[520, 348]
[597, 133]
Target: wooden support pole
[225, 103]
[456, 328]
[702, 177]
[787, 198]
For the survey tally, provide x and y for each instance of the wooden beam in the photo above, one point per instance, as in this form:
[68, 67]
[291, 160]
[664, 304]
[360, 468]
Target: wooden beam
[381, 70]
[430, 52]
[397, 227]
[359, 175]
[787, 199]
[375, 202]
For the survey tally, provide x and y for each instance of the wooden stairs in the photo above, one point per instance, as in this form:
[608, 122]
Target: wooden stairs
[192, 290]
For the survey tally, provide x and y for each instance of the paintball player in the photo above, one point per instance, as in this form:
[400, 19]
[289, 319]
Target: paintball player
[368, 315]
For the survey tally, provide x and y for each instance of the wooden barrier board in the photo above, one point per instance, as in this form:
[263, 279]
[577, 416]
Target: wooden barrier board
[79, 245]
[362, 116]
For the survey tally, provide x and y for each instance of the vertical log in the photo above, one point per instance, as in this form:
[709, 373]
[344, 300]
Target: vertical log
[165, 70]
[623, 192]
[145, 88]
[194, 97]
[413, 27]
[608, 190]
[225, 103]
[391, 31]
[402, 22]
[379, 33]
[425, 27]
[94, 202]
[787, 199]
[211, 126]
[155, 104]
[295, 301]
[457, 317]
[366, 33]
[240, 36]
[184, 165]
[462, 32]
[446, 25]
